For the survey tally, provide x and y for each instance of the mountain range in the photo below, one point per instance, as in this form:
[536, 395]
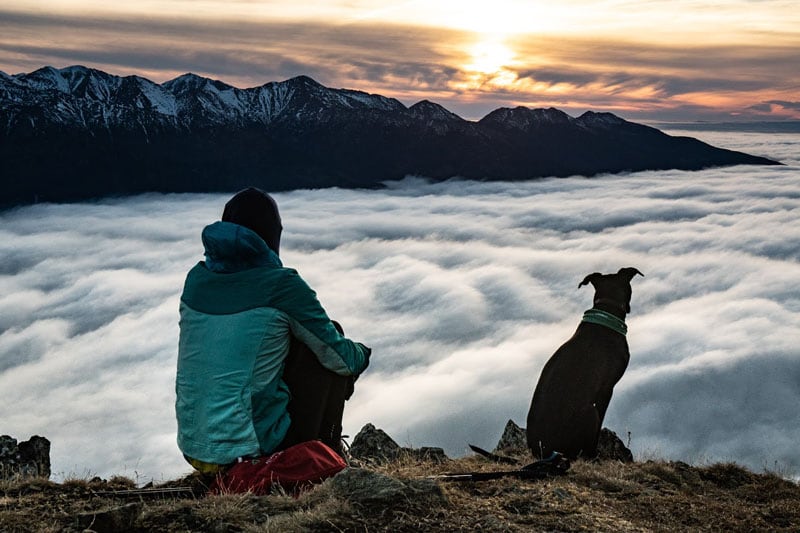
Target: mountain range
[78, 133]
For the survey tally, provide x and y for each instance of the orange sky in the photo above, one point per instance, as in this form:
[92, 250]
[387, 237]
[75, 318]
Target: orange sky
[665, 60]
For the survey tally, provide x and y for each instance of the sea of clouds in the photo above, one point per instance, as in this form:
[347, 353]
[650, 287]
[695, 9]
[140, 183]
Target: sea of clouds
[462, 289]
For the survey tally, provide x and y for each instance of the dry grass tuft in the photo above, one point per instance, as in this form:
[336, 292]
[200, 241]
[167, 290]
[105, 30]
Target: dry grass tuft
[651, 496]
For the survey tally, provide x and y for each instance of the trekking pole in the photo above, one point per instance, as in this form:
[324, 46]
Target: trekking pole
[166, 492]
[555, 465]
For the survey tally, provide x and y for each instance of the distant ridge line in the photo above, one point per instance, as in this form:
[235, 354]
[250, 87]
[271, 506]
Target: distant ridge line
[79, 133]
[786, 126]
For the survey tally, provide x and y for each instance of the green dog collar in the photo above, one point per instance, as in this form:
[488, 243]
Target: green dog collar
[598, 316]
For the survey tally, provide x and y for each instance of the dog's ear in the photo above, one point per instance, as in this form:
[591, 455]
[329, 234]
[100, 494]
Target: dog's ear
[629, 273]
[591, 278]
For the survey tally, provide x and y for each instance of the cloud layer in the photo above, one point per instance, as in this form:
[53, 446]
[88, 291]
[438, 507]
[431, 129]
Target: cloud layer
[463, 289]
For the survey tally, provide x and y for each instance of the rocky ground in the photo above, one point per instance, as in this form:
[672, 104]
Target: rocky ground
[395, 493]
[605, 496]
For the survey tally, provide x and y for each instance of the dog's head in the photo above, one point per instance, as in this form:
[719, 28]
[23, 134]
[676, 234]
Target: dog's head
[612, 289]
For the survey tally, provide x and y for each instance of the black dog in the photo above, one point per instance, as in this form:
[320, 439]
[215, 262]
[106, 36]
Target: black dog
[576, 384]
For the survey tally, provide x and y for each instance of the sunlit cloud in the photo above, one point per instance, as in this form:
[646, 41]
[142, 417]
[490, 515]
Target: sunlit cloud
[462, 288]
[471, 57]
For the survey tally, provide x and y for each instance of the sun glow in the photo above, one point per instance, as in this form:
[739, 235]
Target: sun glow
[489, 56]
[489, 62]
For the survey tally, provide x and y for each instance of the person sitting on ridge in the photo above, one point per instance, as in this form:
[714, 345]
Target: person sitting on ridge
[261, 367]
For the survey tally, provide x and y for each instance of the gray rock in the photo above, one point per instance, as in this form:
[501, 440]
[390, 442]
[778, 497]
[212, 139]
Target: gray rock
[25, 459]
[513, 439]
[8, 447]
[375, 445]
[611, 448]
[428, 453]
[609, 445]
[364, 487]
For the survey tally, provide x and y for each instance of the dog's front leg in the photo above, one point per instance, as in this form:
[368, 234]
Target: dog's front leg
[601, 404]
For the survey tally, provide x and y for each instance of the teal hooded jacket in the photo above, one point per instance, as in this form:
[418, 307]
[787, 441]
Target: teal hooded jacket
[237, 311]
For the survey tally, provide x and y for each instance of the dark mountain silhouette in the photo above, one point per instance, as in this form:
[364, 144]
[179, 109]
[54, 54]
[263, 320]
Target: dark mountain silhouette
[79, 133]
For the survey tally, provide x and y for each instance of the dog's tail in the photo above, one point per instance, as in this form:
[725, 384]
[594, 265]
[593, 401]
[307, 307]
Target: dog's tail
[492, 456]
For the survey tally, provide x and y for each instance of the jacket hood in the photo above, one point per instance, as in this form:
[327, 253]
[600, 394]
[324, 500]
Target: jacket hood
[231, 248]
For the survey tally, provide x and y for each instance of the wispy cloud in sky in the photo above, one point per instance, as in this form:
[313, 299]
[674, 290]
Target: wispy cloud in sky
[463, 289]
[677, 60]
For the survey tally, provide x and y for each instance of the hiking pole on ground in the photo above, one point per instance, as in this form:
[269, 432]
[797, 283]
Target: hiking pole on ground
[150, 492]
[555, 465]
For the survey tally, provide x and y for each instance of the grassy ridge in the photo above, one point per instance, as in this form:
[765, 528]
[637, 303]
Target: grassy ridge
[607, 496]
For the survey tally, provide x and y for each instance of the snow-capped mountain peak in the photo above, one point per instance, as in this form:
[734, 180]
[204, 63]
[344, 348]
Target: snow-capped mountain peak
[85, 97]
[77, 133]
[425, 109]
[524, 118]
[591, 118]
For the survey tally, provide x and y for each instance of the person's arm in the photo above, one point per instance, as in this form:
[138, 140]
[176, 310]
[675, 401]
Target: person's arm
[310, 323]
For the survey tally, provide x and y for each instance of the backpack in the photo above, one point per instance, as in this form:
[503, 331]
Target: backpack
[294, 469]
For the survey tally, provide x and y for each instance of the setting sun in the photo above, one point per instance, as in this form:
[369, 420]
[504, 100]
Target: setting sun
[489, 56]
